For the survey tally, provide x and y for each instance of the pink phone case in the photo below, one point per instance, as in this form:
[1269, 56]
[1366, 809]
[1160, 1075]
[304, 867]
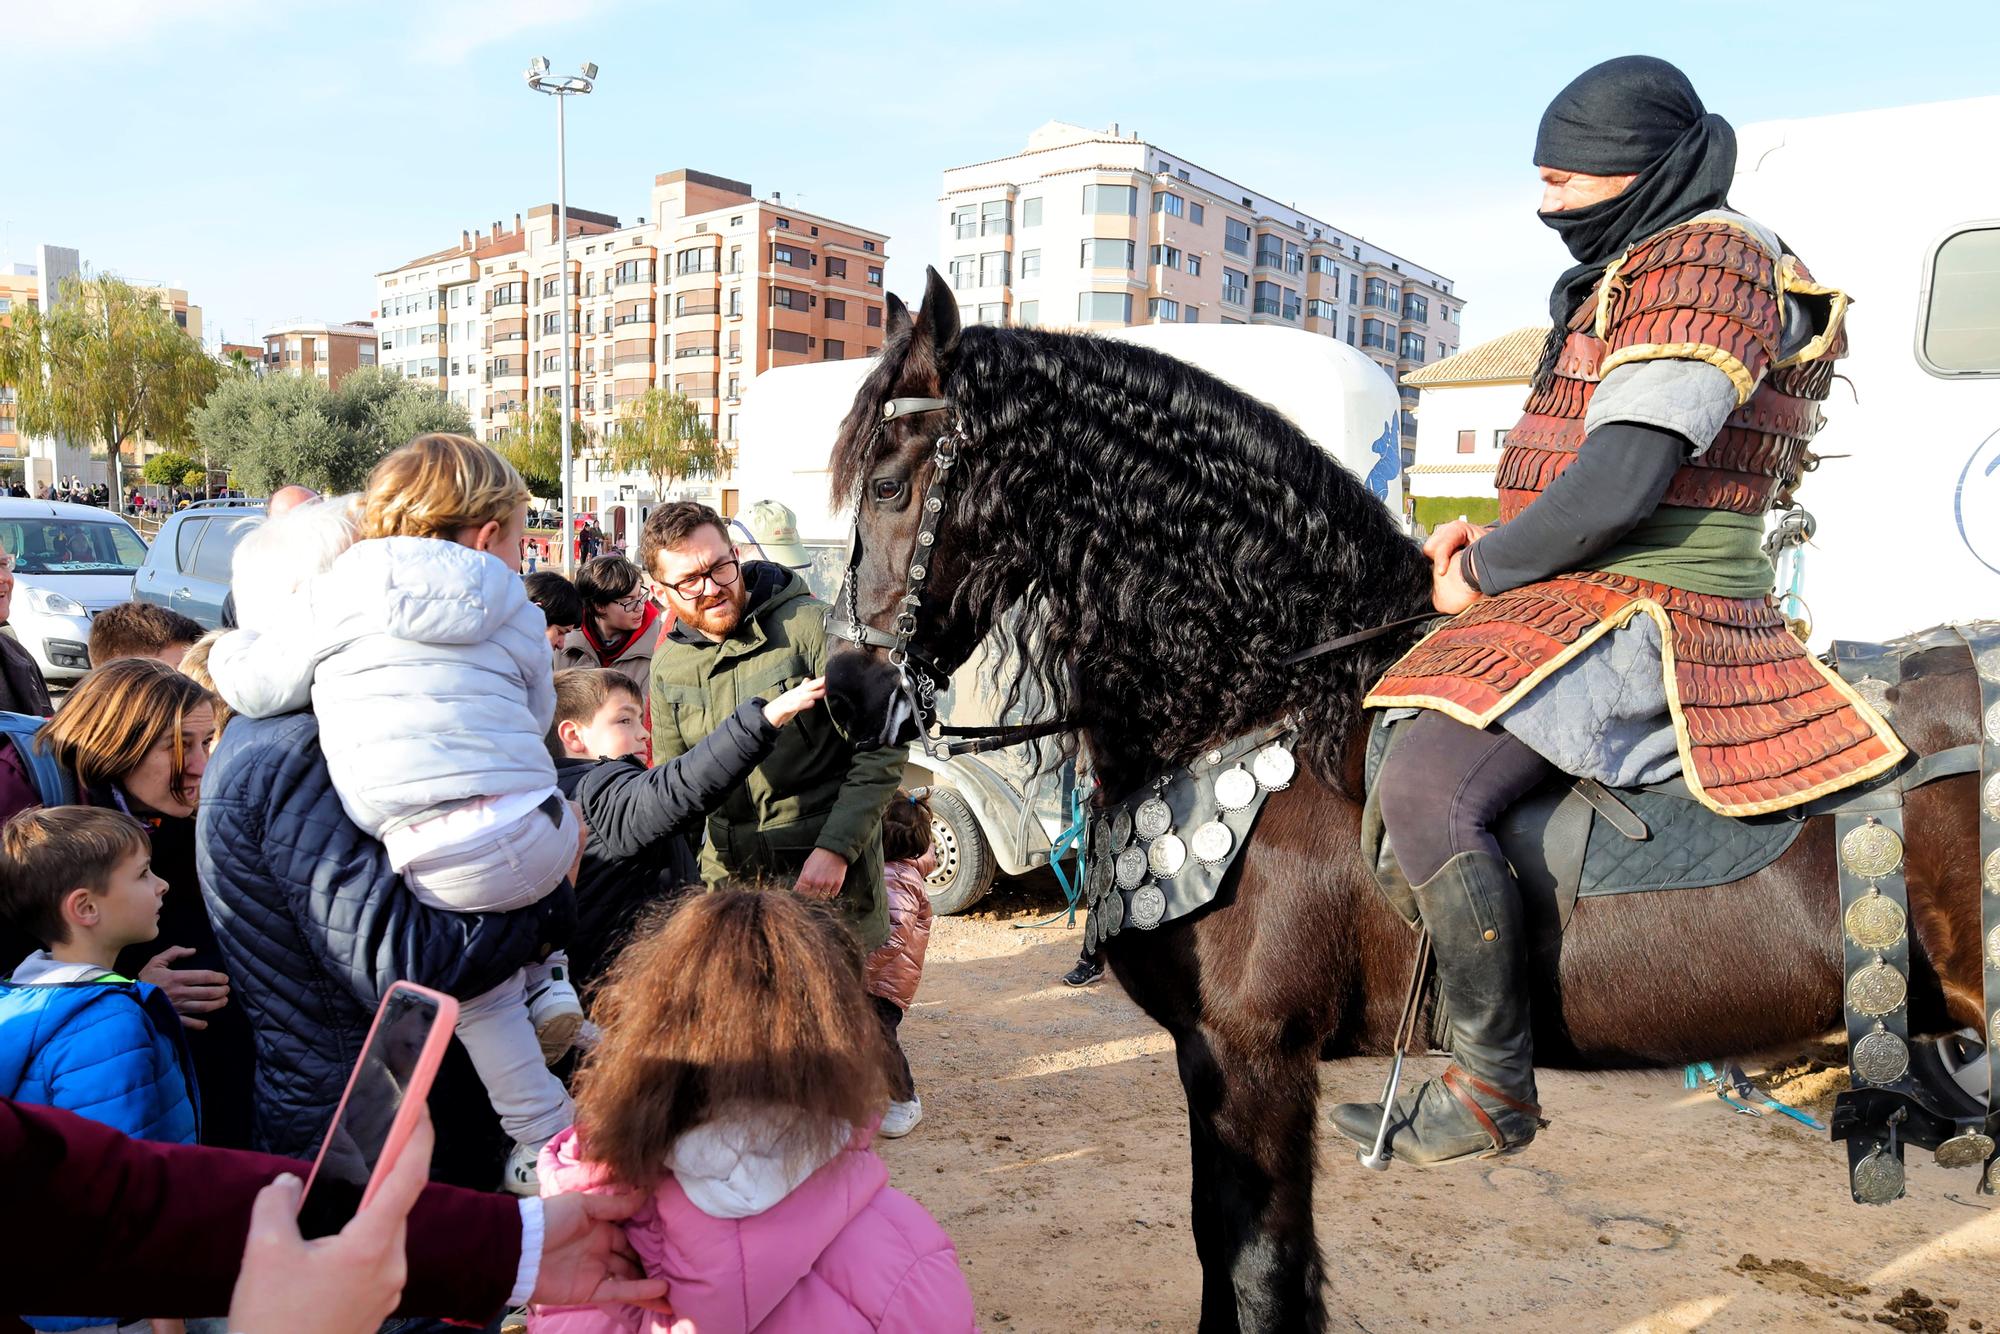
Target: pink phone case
[444, 1020]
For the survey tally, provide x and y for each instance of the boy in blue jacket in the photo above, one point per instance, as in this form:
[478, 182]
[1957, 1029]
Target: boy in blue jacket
[73, 1033]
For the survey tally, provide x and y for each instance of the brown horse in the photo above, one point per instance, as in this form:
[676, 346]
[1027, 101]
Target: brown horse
[1170, 540]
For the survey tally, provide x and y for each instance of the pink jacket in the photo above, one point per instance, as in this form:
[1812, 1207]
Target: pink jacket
[897, 965]
[826, 1248]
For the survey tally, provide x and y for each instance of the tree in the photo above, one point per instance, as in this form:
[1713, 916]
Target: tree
[285, 429]
[169, 469]
[661, 434]
[105, 366]
[532, 442]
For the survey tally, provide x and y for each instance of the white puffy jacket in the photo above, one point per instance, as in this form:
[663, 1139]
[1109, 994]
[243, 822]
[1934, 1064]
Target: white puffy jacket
[428, 669]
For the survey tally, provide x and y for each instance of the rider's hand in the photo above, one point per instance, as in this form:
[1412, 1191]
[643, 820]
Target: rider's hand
[193, 991]
[1447, 541]
[795, 701]
[1450, 593]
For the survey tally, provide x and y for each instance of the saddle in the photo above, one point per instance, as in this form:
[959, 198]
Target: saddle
[1575, 838]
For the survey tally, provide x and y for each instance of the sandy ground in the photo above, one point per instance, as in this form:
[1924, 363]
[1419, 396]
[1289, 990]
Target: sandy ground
[1054, 1150]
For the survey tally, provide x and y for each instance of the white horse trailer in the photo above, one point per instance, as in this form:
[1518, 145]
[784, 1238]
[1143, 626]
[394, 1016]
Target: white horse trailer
[1894, 208]
[1002, 812]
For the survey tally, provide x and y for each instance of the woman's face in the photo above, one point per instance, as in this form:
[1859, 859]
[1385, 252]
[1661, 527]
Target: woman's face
[152, 784]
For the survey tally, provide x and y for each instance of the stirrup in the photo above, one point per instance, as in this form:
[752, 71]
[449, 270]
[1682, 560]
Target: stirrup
[1462, 1086]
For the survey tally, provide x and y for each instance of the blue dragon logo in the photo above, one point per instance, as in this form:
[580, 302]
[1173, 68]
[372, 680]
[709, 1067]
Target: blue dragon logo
[1388, 453]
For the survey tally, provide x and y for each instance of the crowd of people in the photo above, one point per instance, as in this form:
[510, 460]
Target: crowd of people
[682, 916]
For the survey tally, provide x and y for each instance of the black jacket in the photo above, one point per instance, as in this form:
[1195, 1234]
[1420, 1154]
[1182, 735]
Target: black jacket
[638, 852]
[313, 925]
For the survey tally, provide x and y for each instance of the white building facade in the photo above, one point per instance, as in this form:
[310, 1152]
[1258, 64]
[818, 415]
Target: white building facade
[1467, 404]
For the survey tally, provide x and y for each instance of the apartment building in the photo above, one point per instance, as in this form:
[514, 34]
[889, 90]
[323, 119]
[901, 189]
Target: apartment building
[326, 352]
[1090, 229]
[19, 290]
[713, 286]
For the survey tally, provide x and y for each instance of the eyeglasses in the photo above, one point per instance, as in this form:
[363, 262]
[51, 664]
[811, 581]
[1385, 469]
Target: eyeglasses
[633, 603]
[722, 574]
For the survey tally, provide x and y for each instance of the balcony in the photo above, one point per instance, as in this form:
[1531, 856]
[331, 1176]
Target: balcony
[1264, 306]
[1271, 259]
[1235, 296]
[697, 308]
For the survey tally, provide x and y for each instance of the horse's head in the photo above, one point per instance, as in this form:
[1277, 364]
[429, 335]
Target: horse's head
[898, 634]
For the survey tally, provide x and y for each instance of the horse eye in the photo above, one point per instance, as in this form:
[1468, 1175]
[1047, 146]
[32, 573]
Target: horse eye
[888, 488]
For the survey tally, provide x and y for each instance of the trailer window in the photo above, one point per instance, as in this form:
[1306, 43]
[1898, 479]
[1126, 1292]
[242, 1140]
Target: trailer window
[1959, 328]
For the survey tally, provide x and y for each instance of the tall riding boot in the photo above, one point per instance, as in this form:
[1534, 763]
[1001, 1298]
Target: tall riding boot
[1484, 1103]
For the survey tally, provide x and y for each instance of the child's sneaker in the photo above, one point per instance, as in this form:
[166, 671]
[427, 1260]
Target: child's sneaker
[901, 1118]
[520, 1178]
[553, 1009]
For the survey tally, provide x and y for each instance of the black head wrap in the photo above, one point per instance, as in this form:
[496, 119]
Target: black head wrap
[1635, 114]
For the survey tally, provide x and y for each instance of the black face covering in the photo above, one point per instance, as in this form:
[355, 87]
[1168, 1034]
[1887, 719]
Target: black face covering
[1635, 114]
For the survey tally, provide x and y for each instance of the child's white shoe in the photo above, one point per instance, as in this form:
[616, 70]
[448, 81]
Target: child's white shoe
[520, 1177]
[553, 1009]
[901, 1118]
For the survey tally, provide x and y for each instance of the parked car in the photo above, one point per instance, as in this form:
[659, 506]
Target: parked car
[188, 568]
[70, 562]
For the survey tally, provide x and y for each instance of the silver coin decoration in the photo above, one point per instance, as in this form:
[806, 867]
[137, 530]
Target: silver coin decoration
[1131, 867]
[1103, 876]
[1993, 724]
[1092, 931]
[1993, 1178]
[1991, 875]
[1993, 1029]
[1235, 789]
[1211, 843]
[1273, 768]
[1149, 907]
[1114, 913]
[1152, 819]
[1967, 1150]
[1993, 948]
[1871, 850]
[1991, 799]
[1875, 922]
[1877, 989]
[1988, 664]
[1121, 829]
[1874, 692]
[1878, 1178]
[1166, 855]
[1880, 1057]
[1098, 835]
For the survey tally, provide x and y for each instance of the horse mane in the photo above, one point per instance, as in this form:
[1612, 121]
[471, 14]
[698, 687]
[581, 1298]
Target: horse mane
[1169, 538]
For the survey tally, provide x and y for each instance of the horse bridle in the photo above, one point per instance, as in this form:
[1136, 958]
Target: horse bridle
[921, 685]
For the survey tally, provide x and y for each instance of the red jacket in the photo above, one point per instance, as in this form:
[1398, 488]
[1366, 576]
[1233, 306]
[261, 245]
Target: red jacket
[96, 1221]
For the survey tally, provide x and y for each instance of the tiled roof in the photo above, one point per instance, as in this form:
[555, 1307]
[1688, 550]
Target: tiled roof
[1509, 359]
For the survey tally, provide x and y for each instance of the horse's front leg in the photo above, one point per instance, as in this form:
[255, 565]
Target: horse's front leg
[1251, 1127]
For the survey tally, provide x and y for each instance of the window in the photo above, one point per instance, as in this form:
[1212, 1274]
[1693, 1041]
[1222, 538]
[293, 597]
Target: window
[874, 276]
[993, 313]
[874, 317]
[6, 304]
[1411, 347]
[1236, 236]
[1195, 214]
[1500, 439]
[552, 361]
[1270, 252]
[1103, 308]
[1441, 349]
[1031, 212]
[1166, 256]
[1031, 263]
[964, 272]
[695, 303]
[1353, 288]
[784, 340]
[1028, 313]
[1959, 333]
[1295, 259]
[736, 221]
[1235, 286]
[1378, 292]
[735, 301]
[1321, 310]
[211, 560]
[1374, 334]
[1189, 315]
[1467, 441]
[698, 260]
[634, 271]
[1170, 204]
[965, 223]
[1106, 253]
[836, 309]
[797, 259]
[1194, 266]
[995, 218]
[833, 350]
[1111, 199]
[1267, 299]
[836, 268]
[993, 269]
[1160, 308]
[790, 298]
[1324, 264]
[1350, 331]
[1416, 307]
[783, 224]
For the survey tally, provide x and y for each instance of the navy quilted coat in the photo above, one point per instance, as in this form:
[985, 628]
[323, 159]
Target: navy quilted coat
[315, 926]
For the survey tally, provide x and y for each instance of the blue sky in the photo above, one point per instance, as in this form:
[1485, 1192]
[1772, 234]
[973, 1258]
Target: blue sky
[272, 157]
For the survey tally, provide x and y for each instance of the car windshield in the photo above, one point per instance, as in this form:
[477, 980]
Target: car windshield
[72, 546]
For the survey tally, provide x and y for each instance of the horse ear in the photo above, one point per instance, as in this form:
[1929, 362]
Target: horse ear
[940, 313]
[899, 317]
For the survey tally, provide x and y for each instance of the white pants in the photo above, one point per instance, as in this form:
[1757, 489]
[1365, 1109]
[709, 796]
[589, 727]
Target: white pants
[511, 866]
[531, 1103]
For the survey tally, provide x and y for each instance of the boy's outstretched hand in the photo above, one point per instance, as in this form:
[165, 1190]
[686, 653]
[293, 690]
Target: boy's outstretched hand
[795, 701]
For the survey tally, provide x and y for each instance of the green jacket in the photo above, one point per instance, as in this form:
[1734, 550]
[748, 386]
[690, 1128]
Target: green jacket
[815, 790]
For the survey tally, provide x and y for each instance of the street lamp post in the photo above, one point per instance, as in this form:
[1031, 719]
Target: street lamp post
[560, 87]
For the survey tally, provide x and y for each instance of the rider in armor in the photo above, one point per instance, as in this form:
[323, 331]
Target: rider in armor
[1618, 622]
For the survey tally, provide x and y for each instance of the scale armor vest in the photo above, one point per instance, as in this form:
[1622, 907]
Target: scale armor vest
[1702, 291]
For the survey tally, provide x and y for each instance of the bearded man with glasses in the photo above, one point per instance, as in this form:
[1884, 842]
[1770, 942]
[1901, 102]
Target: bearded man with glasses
[744, 632]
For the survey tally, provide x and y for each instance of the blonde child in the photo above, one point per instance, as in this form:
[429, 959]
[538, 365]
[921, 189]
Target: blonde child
[429, 670]
[738, 1076]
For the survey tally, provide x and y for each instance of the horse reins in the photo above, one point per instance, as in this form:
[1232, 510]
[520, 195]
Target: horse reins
[921, 687]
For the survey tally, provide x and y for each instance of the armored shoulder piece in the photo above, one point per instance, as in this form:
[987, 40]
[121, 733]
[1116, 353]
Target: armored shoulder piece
[1702, 291]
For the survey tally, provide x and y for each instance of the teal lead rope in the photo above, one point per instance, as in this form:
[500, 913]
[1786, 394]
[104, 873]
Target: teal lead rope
[1071, 839]
[1731, 1080]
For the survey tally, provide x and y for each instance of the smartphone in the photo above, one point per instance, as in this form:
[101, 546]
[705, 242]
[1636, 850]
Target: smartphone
[379, 1110]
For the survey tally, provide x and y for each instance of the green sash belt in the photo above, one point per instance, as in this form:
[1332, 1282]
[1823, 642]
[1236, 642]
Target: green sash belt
[1701, 550]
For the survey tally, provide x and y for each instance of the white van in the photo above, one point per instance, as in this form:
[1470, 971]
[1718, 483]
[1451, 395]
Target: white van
[70, 562]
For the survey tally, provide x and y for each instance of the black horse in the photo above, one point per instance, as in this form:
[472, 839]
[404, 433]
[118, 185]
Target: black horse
[1170, 541]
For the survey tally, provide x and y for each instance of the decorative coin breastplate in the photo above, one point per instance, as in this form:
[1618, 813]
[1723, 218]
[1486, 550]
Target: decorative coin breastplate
[1161, 852]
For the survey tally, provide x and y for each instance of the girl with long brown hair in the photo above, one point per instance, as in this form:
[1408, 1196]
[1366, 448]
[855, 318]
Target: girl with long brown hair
[739, 1078]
